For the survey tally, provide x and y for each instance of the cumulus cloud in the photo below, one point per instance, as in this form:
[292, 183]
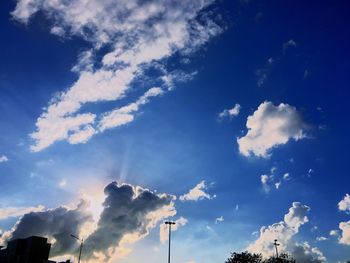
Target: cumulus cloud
[345, 233]
[271, 126]
[164, 231]
[137, 35]
[197, 193]
[230, 112]
[128, 214]
[3, 158]
[7, 212]
[284, 231]
[344, 204]
[56, 224]
[321, 238]
[303, 252]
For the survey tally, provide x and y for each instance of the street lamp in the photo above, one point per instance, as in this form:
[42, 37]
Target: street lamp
[276, 245]
[169, 223]
[81, 245]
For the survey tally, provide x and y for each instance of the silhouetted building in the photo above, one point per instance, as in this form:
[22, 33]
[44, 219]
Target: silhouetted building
[28, 250]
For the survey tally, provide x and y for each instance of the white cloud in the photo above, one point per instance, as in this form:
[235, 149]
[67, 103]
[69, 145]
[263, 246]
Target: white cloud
[164, 231]
[271, 126]
[303, 252]
[62, 183]
[270, 181]
[138, 34]
[310, 172]
[125, 114]
[333, 233]
[128, 215]
[344, 205]
[286, 176]
[230, 112]
[3, 158]
[265, 181]
[288, 44]
[6, 212]
[345, 233]
[197, 193]
[284, 231]
[219, 219]
[321, 238]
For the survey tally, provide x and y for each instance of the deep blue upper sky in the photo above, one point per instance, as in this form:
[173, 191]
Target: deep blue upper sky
[178, 139]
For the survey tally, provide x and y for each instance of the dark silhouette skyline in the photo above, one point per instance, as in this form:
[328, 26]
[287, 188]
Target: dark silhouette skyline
[33, 249]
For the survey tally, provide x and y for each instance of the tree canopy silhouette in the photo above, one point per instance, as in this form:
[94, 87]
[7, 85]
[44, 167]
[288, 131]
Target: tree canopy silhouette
[246, 257]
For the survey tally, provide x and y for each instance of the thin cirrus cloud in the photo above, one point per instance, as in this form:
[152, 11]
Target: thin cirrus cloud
[233, 112]
[197, 193]
[271, 126]
[137, 36]
[284, 231]
[129, 213]
[7, 212]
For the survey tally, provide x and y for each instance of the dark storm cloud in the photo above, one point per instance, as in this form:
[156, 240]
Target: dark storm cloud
[125, 212]
[56, 223]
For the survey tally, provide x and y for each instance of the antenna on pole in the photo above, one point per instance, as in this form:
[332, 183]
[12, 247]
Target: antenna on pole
[169, 223]
[276, 245]
[81, 245]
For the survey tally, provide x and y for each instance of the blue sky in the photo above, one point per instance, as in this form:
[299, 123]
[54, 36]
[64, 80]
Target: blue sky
[244, 102]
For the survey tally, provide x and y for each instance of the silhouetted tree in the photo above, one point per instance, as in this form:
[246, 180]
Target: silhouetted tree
[246, 257]
[283, 258]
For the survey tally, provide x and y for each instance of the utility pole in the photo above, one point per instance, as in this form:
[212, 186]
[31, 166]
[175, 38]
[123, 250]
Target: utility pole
[169, 223]
[81, 245]
[276, 245]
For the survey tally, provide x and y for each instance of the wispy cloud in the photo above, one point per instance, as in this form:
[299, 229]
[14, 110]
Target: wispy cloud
[197, 193]
[136, 34]
[263, 73]
[219, 219]
[233, 112]
[7, 212]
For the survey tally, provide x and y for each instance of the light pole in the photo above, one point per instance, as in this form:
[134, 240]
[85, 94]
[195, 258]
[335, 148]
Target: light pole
[276, 245]
[81, 245]
[169, 223]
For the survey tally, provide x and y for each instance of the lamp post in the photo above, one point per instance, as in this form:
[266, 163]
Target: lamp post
[81, 245]
[169, 223]
[276, 245]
